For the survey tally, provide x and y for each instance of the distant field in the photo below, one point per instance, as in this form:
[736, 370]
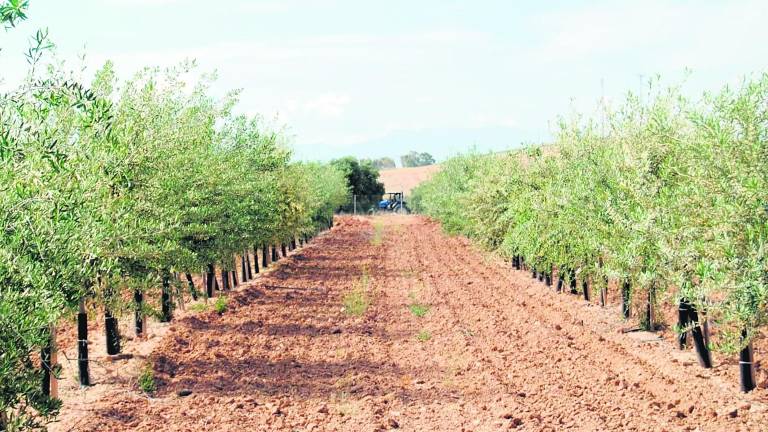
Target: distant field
[405, 179]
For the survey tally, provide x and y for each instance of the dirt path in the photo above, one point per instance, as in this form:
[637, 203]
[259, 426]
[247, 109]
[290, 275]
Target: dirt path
[495, 350]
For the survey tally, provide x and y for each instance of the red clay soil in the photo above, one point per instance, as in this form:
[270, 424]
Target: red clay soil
[496, 350]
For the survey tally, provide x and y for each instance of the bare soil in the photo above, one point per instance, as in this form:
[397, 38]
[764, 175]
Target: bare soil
[496, 350]
[405, 179]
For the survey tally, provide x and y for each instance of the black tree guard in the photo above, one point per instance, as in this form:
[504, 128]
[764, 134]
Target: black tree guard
[225, 280]
[138, 299]
[283, 250]
[210, 280]
[82, 345]
[275, 255]
[625, 289]
[265, 256]
[585, 289]
[682, 324]
[548, 277]
[248, 264]
[47, 367]
[705, 359]
[746, 365]
[256, 259]
[166, 299]
[234, 279]
[192, 289]
[113, 334]
[243, 270]
[650, 312]
[572, 282]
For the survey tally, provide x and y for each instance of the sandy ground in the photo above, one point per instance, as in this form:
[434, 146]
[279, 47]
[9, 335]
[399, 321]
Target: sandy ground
[496, 350]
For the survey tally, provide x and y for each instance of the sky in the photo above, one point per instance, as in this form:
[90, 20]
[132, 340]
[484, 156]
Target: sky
[373, 79]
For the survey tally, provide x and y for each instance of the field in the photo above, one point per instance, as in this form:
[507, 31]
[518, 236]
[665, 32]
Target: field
[387, 323]
[405, 179]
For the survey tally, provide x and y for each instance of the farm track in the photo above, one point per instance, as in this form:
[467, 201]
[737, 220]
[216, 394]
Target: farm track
[503, 352]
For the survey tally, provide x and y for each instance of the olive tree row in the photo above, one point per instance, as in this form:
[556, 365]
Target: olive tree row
[666, 197]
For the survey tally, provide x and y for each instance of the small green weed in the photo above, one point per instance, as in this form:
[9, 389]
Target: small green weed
[147, 379]
[423, 336]
[220, 306]
[418, 309]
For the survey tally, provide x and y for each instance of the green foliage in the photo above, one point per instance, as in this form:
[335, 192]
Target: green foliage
[109, 186]
[220, 305]
[146, 379]
[666, 193]
[13, 11]
[416, 159]
[363, 181]
[420, 310]
[423, 336]
[381, 163]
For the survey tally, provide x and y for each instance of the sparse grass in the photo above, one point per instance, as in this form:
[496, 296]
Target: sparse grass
[220, 306]
[378, 234]
[424, 336]
[357, 301]
[147, 379]
[419, 310]
[199, 307]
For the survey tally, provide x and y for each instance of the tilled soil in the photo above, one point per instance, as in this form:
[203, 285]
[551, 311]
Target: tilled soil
[495, 350]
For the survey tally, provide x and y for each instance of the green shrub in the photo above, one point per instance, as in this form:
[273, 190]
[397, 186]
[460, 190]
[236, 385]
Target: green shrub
[220, 305]
[424, 336]
[147, 379]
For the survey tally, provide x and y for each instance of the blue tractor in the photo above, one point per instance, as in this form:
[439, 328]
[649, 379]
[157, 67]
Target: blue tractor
[394, 203]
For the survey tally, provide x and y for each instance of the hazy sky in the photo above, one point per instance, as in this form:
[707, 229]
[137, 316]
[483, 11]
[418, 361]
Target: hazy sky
[379, 78]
